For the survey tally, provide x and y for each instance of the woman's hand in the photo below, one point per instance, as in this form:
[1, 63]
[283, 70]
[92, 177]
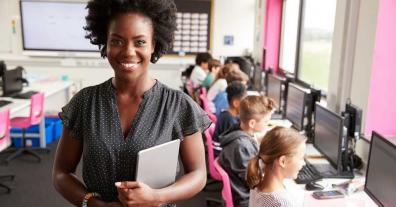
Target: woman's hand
[137, 194]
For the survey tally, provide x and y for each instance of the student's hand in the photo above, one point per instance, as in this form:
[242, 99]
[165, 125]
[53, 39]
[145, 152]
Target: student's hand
[137, 194]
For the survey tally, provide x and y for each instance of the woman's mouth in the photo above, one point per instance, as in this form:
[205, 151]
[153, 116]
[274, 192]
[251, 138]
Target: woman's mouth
[130, 66]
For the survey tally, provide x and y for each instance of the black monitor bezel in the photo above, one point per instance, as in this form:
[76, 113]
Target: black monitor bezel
[281, 81]
[6, 82]
[386, 141]
[301, 122]
[337, 165]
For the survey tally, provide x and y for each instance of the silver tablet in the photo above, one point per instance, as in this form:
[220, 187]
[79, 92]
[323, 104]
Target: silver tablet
[156, 166]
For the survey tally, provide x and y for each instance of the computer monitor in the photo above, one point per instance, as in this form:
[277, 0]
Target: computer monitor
[3, 67]
[274, 89]
[258, 78]
[296, 100]
[12, 81]
[354, 114]
[328, 135]
[380, 182]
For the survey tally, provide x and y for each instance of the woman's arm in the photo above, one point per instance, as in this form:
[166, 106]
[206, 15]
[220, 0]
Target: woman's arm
[67, 157]
[193, 181]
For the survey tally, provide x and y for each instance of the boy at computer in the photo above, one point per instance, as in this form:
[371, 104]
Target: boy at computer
[236, 91]
[240, 145]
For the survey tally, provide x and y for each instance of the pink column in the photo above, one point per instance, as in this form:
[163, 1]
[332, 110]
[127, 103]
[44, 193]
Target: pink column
[272, 32]
[381, 110]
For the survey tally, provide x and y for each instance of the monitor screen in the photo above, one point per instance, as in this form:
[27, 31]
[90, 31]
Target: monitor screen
[12, 81]
[274, 89]
[54, 26]
[295, 105]
[328, 134]
[381, 170]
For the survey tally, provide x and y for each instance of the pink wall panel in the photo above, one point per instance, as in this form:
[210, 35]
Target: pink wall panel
[272, 32]
[381, 110]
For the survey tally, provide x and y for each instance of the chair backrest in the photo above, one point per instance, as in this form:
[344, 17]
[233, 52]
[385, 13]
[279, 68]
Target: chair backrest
[205, 105]
[190, 88]
[226, 191]
[36, 108]
[209, 144]
[4, 125]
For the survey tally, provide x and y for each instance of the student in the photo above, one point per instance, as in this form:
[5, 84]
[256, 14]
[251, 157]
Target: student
[201, 69]
[220, 83]
[214, 68]
[108, 124]
[281, 156]
[236, 91]
[220, 101]
[239, 144]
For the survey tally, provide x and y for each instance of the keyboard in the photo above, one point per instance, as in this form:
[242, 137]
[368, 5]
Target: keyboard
[24, 95]
[4, 102]
[308, 174]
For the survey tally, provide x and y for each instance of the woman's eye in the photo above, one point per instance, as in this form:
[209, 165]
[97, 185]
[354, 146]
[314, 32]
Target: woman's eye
[116, 42]
[140, 42]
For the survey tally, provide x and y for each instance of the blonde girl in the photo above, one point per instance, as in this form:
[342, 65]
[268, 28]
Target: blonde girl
[281, 156]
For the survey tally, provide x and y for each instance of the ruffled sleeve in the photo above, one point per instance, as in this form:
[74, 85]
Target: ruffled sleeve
[191, 118]
[72, 115]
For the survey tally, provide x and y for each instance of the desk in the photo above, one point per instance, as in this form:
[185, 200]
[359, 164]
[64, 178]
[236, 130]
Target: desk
[57, 94]
[358, 199]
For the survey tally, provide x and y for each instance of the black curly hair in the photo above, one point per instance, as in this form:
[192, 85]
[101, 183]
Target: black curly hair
[161, 12]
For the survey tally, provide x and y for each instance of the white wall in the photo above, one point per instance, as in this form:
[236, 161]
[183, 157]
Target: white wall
[258, 40]
[231, 17]
[362, 65]
[351, 61]
[236, 18]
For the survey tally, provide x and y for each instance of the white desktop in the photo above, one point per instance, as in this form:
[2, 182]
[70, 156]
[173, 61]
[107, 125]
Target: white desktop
[57, 94]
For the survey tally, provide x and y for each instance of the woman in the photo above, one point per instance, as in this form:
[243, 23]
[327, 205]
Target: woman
[108, 124]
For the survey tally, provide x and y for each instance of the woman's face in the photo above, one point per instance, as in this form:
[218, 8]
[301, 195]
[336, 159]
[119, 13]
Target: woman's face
[295, 162]
[130, 45]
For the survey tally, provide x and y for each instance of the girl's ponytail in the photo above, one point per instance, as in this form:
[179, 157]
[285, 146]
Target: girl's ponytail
[253, 176]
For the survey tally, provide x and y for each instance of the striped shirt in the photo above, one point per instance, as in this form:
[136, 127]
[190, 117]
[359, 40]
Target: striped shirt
[280, 198]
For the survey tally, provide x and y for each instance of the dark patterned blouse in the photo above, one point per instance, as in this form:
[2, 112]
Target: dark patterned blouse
[92, 116]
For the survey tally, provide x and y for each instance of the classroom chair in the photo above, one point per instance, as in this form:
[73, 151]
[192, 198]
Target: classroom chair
[35, 117]
[212, 170]
[4, 138]
[205, 104]
[209, 144]
[226, 191]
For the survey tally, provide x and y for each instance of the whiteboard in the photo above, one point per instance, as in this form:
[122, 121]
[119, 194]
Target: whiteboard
[54, 26]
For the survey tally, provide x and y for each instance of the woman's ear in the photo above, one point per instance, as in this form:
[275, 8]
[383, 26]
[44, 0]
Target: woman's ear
[153, 48]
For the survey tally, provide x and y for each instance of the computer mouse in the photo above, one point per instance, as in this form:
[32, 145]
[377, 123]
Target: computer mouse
[313, 186]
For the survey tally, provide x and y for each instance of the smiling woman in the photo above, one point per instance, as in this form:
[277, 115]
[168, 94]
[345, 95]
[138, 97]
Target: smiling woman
[108, 124]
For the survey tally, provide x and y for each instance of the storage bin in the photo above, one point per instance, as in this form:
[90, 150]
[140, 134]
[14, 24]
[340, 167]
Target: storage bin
[32, 135]
[57, 126]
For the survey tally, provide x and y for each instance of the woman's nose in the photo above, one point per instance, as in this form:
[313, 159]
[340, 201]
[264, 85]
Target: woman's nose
[130, 50]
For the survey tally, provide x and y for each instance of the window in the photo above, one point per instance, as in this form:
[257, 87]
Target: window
[289, 35]
[316, 41]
